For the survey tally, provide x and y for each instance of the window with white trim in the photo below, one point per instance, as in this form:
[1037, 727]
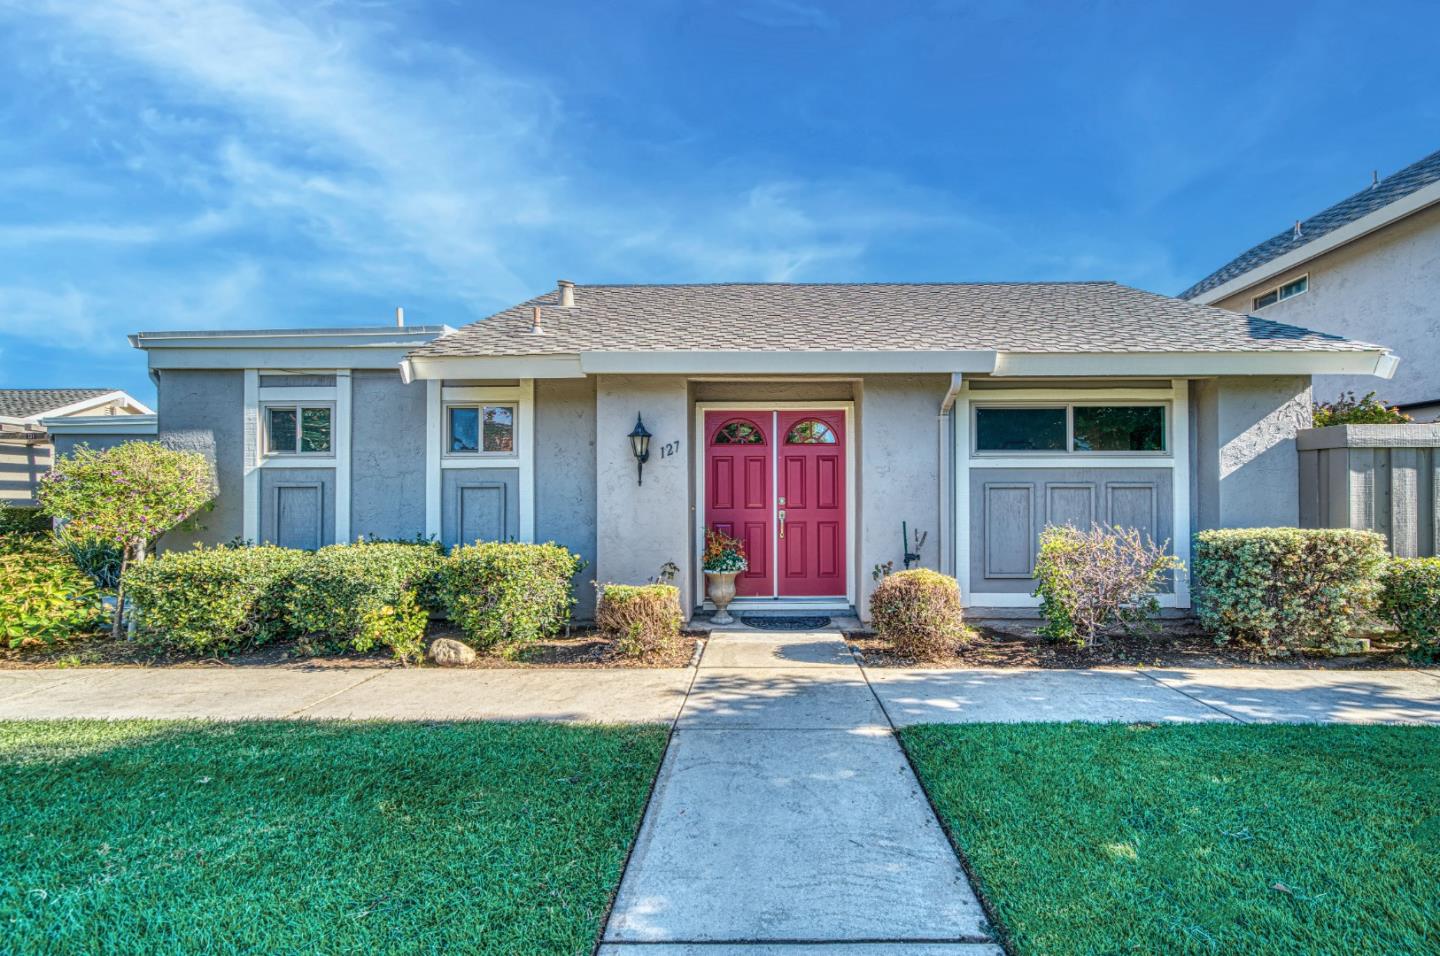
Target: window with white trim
[480, 429]
[298, 429]
[1060, 429]
[1282, 292]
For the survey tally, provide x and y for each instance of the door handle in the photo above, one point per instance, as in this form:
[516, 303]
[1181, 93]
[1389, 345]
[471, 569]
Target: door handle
[781, 516]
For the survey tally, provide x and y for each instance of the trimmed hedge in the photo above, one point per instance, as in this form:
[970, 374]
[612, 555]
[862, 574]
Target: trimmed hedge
[1286, 589]
[918, 613]
[641, 619]
[212, 600]
[44, 597]
[361, 595]
[1410, 599]
[507, 592]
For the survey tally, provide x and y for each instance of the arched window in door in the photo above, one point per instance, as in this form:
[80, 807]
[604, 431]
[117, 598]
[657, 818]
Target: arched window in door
[739, 432]
[811, 431]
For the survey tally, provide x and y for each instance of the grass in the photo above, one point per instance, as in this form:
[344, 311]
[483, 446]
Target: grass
[185, 837]
[1195, 839]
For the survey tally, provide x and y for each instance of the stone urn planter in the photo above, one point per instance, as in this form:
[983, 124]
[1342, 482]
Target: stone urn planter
[720, 588]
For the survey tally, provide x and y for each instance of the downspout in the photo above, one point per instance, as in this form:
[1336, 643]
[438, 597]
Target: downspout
[944, 475]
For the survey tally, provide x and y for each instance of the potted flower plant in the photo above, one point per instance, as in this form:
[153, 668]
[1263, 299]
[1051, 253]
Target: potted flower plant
[724, 558]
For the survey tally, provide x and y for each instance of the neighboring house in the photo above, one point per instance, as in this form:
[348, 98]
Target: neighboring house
[809, 420]
[29, 419]
[1366, 268]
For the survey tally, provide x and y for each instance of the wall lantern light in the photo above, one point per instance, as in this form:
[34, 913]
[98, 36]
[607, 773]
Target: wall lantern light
[640, 445]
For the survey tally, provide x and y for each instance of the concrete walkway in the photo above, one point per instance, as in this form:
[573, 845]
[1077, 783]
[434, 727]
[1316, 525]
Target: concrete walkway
[786, 820]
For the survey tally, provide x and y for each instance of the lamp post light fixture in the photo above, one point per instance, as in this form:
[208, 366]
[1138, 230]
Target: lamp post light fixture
[640, 445]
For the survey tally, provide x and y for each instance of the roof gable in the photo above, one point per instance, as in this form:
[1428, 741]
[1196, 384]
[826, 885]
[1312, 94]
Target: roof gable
[30, 403]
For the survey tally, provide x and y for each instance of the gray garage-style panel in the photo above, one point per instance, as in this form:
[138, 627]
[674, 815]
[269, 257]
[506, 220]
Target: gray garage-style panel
[1009, 507]
[297, 507]
[479, 504]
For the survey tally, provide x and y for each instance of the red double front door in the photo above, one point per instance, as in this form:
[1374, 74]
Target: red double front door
[776, 480]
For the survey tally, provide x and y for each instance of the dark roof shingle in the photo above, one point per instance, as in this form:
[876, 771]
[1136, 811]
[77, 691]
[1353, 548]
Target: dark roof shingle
[1414, 177]
[34, 402]
[926, 317]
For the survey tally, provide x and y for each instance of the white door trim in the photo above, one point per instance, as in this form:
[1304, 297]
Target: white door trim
[851, 530]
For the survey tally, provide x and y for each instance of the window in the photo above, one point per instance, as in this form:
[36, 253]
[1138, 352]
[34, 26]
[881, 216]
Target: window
[1119, 428]
[297, 429]
[482, 429]
[739, 433]
[810, 432]
[1280, 293]
[1063, 429]
[1020, 429]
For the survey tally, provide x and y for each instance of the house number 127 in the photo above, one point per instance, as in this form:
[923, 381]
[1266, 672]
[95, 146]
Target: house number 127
[669, 448]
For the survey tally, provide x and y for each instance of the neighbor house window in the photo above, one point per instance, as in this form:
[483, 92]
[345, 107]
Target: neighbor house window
[1063, 429]
[297, 430]
[1280, 293]
[482, 429]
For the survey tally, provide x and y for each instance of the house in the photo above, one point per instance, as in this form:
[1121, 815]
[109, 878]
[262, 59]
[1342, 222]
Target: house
[809, 420]
[32, 418]
[1366, 268]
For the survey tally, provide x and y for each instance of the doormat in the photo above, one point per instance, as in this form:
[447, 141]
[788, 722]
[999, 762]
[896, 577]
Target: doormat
[781, 622]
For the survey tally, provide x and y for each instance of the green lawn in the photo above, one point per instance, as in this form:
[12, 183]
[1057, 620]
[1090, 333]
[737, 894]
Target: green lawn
[272, 837]
[1195, 839]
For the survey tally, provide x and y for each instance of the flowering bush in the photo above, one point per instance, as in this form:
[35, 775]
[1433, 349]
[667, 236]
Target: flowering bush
[1286, 589]
[1088, 581]
[1349, 410]
[918, 613]
[128, 495]
[724, 553]
[43, 597]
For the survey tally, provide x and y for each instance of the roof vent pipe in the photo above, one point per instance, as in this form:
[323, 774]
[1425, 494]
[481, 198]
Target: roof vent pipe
[567, 294]
[1297, 230]
[535, 327]
[400, 316]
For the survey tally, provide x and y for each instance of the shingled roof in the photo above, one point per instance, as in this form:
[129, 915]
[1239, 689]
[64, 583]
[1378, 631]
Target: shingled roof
[29, 403]
[1085, 317]
[1412, 178]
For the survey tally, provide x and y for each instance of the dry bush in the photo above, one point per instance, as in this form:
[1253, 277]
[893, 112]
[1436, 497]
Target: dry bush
[918, 613]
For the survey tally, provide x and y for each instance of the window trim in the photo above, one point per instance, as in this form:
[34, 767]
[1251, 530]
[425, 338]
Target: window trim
[1070, 453]
[298, 406]
[479, 403]
[1276, 291]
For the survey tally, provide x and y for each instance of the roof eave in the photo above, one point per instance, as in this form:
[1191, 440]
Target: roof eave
[1399, 209]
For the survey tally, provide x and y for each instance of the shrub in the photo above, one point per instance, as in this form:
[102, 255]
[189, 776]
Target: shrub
[44, 598]
[361, 595]
[1410, 599]
[642, 619]
[23, 522]
[1349, 410]
[918, 613]
[1286, 589]
[128, 495]
[507, 592]
[1089, 581]
[212, 600]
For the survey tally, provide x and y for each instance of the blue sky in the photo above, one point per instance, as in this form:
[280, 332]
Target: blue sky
[245, 163]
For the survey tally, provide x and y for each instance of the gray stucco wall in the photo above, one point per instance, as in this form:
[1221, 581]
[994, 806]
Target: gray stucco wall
[65, 444]
[1246, 470]
[565, 475]
[898, 470]
[639, 527]
[387, 453]
[1382, 288]
[1009, 507]
[204, 411]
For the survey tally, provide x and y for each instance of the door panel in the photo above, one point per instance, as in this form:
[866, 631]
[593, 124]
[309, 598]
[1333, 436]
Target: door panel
[811, 446]
[738, 499]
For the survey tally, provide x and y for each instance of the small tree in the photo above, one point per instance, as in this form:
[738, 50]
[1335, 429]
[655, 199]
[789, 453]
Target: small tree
[1349, 410]
[130, 495]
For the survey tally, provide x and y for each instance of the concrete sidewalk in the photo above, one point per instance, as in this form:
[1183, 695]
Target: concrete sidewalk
[786, 820]
[631, 695]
